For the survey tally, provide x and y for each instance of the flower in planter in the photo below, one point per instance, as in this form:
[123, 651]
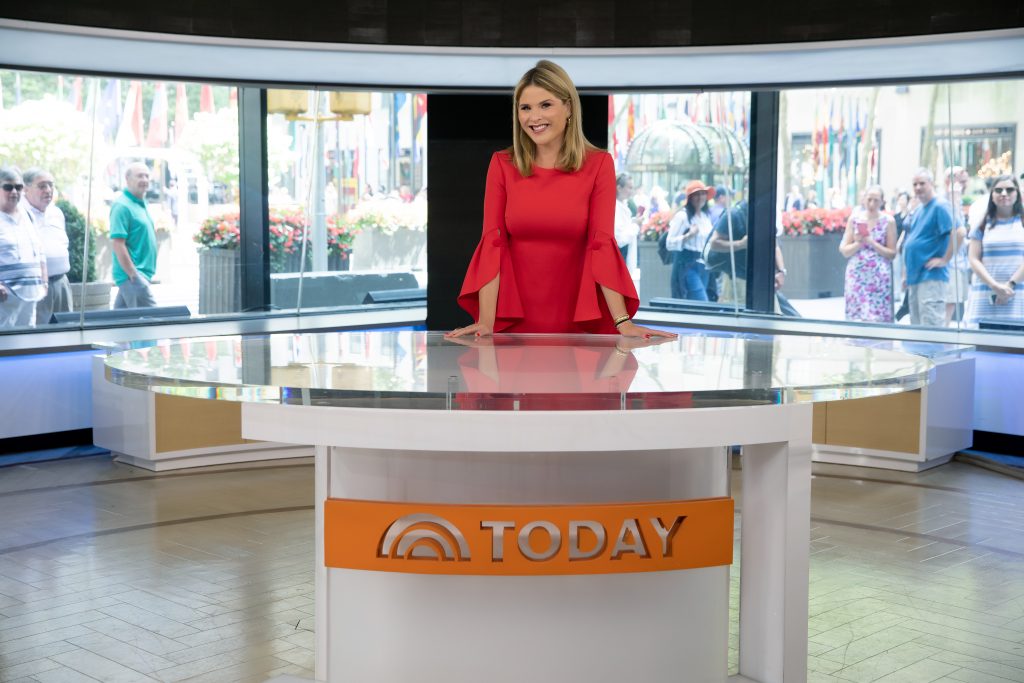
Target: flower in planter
[656, 224]
[387, 216]
[814, 221]
[218, 232]
[340, 235]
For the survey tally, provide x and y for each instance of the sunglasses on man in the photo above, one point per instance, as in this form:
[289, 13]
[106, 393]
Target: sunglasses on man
[10, 187]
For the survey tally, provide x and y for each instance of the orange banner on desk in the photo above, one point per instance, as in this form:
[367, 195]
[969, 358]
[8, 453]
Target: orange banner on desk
[527, 539]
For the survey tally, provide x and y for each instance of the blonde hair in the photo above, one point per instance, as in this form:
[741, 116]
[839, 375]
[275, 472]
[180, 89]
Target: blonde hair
[553, 78]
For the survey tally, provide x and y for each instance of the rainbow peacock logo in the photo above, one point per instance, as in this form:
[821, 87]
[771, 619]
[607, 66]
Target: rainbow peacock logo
[423, 536]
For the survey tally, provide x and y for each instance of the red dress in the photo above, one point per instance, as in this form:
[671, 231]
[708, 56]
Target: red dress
[550, 236]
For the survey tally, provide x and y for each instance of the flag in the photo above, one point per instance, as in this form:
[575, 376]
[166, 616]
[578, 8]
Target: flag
[130, 134]
[206, 99]
[75, 95]
[419, 131]
[110, 109]
[630, 122]
[158, 118]
[180, 113]
[400, 116]
[611, 127]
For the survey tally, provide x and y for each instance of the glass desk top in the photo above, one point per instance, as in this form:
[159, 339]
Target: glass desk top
[423, 370]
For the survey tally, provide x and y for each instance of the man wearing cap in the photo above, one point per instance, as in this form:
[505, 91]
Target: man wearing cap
[730, 236]
[133, 239]
[50, 227]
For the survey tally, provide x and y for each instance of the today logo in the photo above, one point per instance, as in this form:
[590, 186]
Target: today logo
[423, 536]
[523, 540]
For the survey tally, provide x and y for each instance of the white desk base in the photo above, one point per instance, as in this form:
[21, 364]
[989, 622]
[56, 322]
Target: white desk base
[651, 627]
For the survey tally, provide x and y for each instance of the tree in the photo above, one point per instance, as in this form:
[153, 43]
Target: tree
[928, 145]
[48, 134]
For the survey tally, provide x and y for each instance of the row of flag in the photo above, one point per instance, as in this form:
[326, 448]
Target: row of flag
[628, 115]
[120, 116]
[840, 123]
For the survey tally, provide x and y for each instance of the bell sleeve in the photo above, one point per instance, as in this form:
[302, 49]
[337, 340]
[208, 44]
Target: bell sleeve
[602, 262]
[492, 257]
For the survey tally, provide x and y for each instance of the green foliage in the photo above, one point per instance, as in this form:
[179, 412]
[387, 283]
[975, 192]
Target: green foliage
[34, 86]
[214, 140]
[75, 223]
[48, 134]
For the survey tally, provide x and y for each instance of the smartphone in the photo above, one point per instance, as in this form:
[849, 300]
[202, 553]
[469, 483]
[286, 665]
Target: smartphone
[862, 229]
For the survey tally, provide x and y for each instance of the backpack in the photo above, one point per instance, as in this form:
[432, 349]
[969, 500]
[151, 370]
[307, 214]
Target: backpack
[663, 253]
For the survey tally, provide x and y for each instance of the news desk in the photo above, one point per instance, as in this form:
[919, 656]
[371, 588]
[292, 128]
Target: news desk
[545, 507]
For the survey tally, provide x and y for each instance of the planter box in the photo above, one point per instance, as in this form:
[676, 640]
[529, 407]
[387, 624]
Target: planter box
[97, 296]
[814, 267]
[104, 256]
[336, 263]
[219, 277]
[654, 275]
[404, 250]
[220, 274]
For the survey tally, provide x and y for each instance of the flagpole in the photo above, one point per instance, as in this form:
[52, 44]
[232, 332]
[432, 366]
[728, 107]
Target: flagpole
[94, 84]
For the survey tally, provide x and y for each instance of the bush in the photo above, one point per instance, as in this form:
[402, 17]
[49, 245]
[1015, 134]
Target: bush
[75, 224]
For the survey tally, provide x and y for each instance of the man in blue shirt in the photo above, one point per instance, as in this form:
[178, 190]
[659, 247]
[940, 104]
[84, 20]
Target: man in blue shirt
[133, 239]
[927, 251]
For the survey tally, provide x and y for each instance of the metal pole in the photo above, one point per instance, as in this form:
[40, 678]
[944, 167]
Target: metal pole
[318, 204]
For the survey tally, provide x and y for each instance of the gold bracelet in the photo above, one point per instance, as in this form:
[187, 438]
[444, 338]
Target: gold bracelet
[621, 319]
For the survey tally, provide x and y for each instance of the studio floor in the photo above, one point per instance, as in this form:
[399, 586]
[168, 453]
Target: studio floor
[112, 573]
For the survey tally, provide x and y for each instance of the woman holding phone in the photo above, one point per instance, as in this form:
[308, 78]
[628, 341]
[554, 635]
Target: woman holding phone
[996, 254]
[870, 245]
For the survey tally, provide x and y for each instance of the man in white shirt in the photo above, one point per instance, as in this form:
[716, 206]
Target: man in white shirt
[50, 227]
[626, 228]
[22, 262]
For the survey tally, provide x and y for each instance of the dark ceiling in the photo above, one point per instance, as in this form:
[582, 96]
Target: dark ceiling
[532, 23]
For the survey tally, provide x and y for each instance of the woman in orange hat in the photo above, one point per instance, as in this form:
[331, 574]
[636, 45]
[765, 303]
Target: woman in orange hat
[688, 233]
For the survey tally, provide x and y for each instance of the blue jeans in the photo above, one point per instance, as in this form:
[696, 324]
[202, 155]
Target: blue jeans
[689, 276]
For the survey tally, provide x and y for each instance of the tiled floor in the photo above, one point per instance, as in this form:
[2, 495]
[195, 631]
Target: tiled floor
[116, 574]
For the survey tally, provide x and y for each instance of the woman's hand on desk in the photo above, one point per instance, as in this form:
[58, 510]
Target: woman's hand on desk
[475, 330]
[631, 329]
[628, 344]
[473, 342]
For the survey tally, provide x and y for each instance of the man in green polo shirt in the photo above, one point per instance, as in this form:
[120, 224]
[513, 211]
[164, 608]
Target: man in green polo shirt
[133, 238]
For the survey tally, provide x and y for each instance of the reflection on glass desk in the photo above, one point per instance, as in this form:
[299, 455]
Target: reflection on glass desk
[409, 369]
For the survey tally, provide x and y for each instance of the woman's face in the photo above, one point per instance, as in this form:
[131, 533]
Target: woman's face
[873, 200]
[698, 200]
[543, 116]
[902, 202]
[1004, 195]
[10, 194]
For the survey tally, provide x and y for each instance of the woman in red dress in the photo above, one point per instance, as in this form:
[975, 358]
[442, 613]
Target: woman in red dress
[548, 260]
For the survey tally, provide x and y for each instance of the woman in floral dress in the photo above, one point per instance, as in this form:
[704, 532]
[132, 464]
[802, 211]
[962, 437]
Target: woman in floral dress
[870, 245]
